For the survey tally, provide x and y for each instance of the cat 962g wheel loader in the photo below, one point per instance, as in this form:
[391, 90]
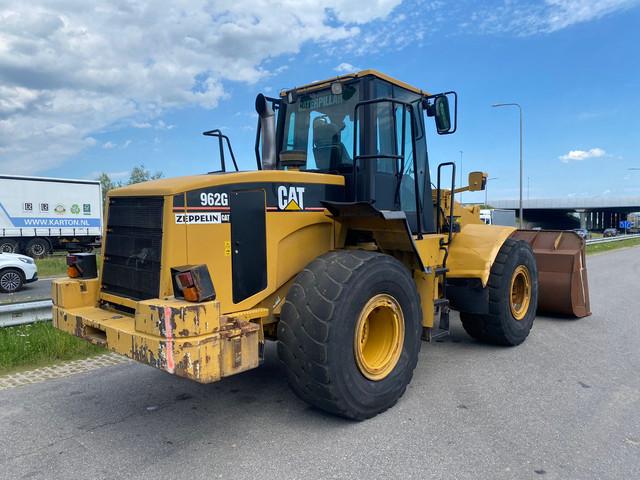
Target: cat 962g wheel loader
[338, 247]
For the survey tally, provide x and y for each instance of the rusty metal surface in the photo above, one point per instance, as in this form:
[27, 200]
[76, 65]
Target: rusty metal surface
[233, 348]
[190, 340]
[563, 287]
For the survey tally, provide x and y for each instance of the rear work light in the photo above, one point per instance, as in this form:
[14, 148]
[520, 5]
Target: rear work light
[192, 283]
[82, 265]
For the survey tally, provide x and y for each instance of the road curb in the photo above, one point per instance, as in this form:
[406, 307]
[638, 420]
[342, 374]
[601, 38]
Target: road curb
[66, 369]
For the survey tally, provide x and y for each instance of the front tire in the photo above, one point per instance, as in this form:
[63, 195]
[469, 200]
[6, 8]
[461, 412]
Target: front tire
[513, 298]
[10, 280]
[8, 245]
[349, 333]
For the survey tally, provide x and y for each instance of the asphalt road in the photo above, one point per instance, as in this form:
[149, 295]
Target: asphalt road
[39, 290]
[564, 405]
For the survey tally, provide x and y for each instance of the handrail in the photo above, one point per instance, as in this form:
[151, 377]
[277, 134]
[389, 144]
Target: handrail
[218, 133]
[439, 201]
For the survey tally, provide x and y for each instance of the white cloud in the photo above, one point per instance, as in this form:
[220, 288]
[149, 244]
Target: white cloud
[564, 13]
[579, 155]
[109, 145]
[71, 68]
[160, 125]
[528, 18]
[404, 29]
[346, 68]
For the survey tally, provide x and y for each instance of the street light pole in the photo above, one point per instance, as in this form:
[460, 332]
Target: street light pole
[486, 191]
[521, 161]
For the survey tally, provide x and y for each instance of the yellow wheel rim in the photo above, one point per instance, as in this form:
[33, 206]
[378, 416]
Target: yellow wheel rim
[379, 337]
[520, 292]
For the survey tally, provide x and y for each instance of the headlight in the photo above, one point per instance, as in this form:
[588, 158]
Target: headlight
[25, 260]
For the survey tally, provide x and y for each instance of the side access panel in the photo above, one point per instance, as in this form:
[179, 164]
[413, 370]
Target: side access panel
[248, 243]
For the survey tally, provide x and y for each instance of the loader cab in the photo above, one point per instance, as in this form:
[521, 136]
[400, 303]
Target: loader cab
[368, 128]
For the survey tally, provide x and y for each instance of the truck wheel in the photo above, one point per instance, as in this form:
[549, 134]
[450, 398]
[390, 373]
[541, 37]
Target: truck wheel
[8, 245]
[513, 298]
[10, 280]
[349, 332]
[37, 248]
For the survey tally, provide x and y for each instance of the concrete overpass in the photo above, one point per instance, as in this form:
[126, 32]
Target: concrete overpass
[593, 213]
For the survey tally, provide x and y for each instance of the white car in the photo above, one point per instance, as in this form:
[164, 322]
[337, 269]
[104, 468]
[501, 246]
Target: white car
[15, 271]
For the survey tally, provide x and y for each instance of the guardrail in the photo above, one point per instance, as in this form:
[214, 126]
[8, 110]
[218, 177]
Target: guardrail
[27, 312]
[618, 238]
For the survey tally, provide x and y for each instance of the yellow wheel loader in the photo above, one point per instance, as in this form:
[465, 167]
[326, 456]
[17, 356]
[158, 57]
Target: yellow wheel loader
[338, 246]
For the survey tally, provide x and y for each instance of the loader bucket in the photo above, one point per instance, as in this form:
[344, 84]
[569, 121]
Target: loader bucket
[562, 273]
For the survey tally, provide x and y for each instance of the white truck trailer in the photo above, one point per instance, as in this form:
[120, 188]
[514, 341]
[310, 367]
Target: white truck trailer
[39, 215]
[495, 216]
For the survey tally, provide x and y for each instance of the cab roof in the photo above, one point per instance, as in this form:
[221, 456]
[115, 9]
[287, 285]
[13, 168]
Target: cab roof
[363, 73]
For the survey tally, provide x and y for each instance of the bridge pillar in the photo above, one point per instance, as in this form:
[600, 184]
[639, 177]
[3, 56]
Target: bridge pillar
[583, 218]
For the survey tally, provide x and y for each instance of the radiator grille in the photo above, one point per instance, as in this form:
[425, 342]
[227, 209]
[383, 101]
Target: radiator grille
[131, 265]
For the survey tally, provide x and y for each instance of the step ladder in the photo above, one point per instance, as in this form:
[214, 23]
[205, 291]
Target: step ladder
[441, 307]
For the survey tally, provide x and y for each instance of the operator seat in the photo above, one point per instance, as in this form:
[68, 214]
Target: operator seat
[329, 152]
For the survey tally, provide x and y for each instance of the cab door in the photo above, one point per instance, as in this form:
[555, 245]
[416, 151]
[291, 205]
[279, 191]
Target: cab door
[388, 171]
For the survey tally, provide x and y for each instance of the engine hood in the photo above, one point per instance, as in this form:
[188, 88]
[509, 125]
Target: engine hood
[171, 186]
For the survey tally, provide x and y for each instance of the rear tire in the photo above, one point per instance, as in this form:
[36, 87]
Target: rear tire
[11, 280]
[512, 304]
[8, 245]
[37, 248]
[321, 321]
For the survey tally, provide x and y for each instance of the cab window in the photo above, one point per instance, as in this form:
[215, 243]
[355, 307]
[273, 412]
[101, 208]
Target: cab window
[321, 125]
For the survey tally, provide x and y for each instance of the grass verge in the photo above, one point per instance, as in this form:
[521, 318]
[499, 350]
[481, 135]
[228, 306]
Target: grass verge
[51, 266]
[38, 344]
[55, 265]
[604, 247]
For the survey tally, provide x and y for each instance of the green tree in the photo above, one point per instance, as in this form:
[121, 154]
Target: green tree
[140, 174]
[107, 184]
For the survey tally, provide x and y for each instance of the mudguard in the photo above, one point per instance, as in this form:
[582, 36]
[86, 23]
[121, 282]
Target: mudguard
[474, 249]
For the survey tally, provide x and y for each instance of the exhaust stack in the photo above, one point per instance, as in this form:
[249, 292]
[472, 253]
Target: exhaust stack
[268, 129]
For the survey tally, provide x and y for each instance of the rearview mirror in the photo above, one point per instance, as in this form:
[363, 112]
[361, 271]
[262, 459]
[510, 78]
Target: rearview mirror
[477, 181]
[438, 106]
[443, 117]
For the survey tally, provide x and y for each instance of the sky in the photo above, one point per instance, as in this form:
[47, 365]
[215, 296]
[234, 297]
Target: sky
[90, 87]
